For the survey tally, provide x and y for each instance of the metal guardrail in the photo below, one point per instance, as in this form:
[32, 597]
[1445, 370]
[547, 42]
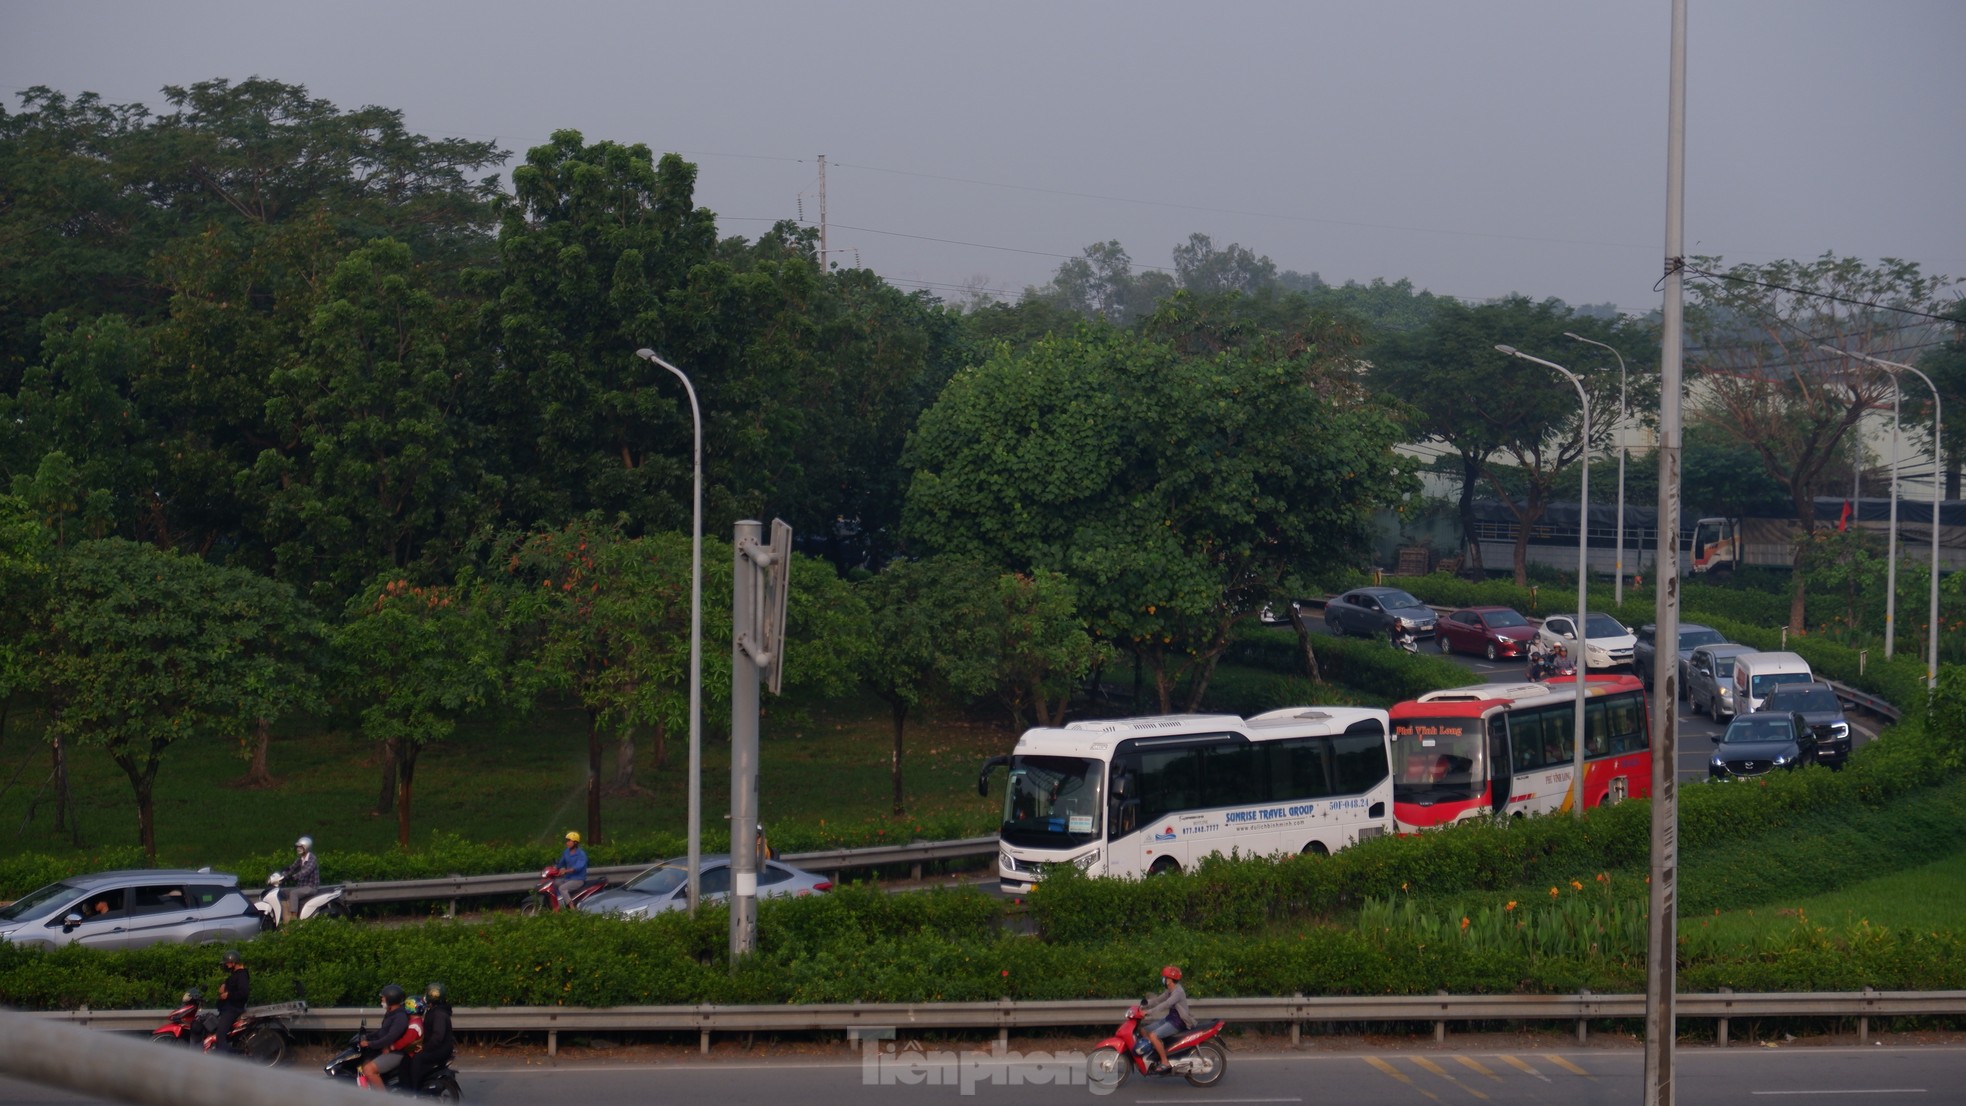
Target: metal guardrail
[882, 1019]
[831, 861]
[1866, 700]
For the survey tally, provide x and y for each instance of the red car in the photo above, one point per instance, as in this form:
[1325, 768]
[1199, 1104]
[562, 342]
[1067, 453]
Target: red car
[1490, 631]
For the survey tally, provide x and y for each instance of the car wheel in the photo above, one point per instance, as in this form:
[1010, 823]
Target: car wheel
[1440, 643]
[1165, 866]
[1493, 652]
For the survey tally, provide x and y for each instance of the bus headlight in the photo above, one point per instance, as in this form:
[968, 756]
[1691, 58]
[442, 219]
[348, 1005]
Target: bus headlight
[1087, 861]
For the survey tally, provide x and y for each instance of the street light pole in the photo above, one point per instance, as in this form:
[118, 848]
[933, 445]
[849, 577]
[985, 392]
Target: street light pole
[1938, 493]
[1618, 556]
[1583, 581]
[695, 642]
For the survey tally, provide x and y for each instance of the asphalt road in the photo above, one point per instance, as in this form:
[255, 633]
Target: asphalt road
[1744, 1075]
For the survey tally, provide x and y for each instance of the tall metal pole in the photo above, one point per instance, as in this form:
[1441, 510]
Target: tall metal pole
[1618, 555]
[1583, 585]
[695, 640]
[1891, 556]
[1938, 495]
[822, 214]
[744, 619]
[1661, 969]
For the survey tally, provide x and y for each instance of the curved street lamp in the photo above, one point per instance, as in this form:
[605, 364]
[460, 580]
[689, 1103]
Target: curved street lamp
[1618, 556]
[1583, 577]
[1938, 491]
[695, 641]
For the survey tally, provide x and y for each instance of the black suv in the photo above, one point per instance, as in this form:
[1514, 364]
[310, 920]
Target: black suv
[1757, 744]
[1823, 711]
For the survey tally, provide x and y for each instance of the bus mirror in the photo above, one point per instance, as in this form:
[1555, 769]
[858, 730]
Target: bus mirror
[983, 777]
[1121, 785]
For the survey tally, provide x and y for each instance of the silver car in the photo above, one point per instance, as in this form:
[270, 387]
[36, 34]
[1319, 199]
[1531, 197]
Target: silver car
[664, 887]
[130, 909]
[1710, 679]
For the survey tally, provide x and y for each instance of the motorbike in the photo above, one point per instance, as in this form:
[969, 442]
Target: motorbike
[1544, 667]
[1403, 639]
[261, 1034]
[1199, 1055]
[326, 902]
[546, 897]
[439, 1083]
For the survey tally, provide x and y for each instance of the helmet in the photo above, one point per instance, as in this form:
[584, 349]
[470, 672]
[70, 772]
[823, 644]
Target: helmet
[435, 992]
[391, 994]
[305, 844]
[230, 959]
[413, 1006]
[1561, 651]
[573, 836]
[193, 995]
[1171, 972]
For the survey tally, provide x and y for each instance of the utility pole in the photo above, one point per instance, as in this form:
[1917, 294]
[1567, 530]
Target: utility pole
[822, 214]
[1662, 944]
[758, 585]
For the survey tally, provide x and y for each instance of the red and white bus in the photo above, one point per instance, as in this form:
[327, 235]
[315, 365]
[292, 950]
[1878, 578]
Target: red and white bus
[1479, 751]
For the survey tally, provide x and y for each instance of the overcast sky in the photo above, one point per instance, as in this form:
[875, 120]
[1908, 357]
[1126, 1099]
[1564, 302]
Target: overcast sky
[1476, 147]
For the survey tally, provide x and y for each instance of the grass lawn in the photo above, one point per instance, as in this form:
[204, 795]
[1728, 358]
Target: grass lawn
[512, 785]
[1931, 898]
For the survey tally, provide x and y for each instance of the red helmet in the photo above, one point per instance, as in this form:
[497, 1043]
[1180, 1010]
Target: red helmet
[1171, 972]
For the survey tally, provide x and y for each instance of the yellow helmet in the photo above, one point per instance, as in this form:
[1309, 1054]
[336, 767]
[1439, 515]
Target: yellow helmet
[573, 836]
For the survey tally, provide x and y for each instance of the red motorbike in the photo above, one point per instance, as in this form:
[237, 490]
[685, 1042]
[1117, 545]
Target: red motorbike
[546, 897]
[1197, 1055]
[261, 1034]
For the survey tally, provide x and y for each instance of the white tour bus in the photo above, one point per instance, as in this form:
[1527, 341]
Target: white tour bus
[1130, 796]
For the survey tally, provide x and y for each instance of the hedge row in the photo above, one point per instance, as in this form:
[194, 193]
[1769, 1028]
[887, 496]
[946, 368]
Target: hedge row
[826, 950]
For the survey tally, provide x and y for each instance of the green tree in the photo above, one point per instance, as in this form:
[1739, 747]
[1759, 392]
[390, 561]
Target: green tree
[150, 648]
[1754, 333]
[1176, 492]
[1946, 366]
[930, 640]
[1040, 646]
[416, 660]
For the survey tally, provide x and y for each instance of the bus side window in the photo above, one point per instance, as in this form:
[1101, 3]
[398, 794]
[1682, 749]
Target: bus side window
[1596, 726]
[1527, 743]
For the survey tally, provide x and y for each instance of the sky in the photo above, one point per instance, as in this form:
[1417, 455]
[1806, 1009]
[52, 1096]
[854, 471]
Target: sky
[1475, 147]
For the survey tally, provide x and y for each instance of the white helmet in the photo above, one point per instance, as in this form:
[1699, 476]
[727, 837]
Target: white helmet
[305, 844]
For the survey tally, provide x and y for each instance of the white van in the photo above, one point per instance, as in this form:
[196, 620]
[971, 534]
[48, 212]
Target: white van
[1756, 674]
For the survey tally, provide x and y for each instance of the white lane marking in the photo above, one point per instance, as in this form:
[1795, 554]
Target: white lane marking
[1865, 1090]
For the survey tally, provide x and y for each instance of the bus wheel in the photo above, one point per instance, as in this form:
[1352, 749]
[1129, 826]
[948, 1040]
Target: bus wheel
[1316, 848]
[1166, 865]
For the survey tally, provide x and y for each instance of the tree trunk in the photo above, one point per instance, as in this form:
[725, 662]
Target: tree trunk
[405, 779]
[900, 715]
[1470, 539]
[257, 775]
[1805, 514]
[593, 778]
[624, 763]
[60, 753]
[386, 798]
[661, 746]
[142, 781]
[1303, 627]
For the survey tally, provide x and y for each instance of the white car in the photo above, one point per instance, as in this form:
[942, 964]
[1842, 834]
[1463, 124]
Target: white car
[1608, 644]
[662, 887]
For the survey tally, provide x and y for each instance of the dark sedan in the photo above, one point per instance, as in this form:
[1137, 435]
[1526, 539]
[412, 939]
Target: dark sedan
[1823, 711]
[1489, 631]
[1757, 744]
[1375, 612]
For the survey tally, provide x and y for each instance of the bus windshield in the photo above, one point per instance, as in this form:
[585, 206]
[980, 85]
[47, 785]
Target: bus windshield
[1438, 759]
[1053, 802]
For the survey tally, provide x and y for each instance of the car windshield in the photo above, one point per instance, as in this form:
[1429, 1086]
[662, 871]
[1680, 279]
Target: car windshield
[1053, 802]
[33, 904]
[663, 879]
[1437, 759]
[1398, 600]
[1759, 727]
[1723, 665]
[1693, 639]
[1806, 699]
[1762, 685]
[1502, 620]
[1603, 625]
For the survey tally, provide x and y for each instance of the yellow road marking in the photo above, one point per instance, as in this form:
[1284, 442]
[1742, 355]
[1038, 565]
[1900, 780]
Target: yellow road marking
[1473, 1064]
[1565, 1064]
[1443, 1073]
[1525, 1067]
[1387, 1068]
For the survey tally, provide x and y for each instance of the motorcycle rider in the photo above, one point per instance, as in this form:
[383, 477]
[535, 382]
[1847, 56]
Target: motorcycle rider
[438, 1043]
[234, 995]
[395, 1025]
[1170, 1007]
[572, 866]
[300, 879]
